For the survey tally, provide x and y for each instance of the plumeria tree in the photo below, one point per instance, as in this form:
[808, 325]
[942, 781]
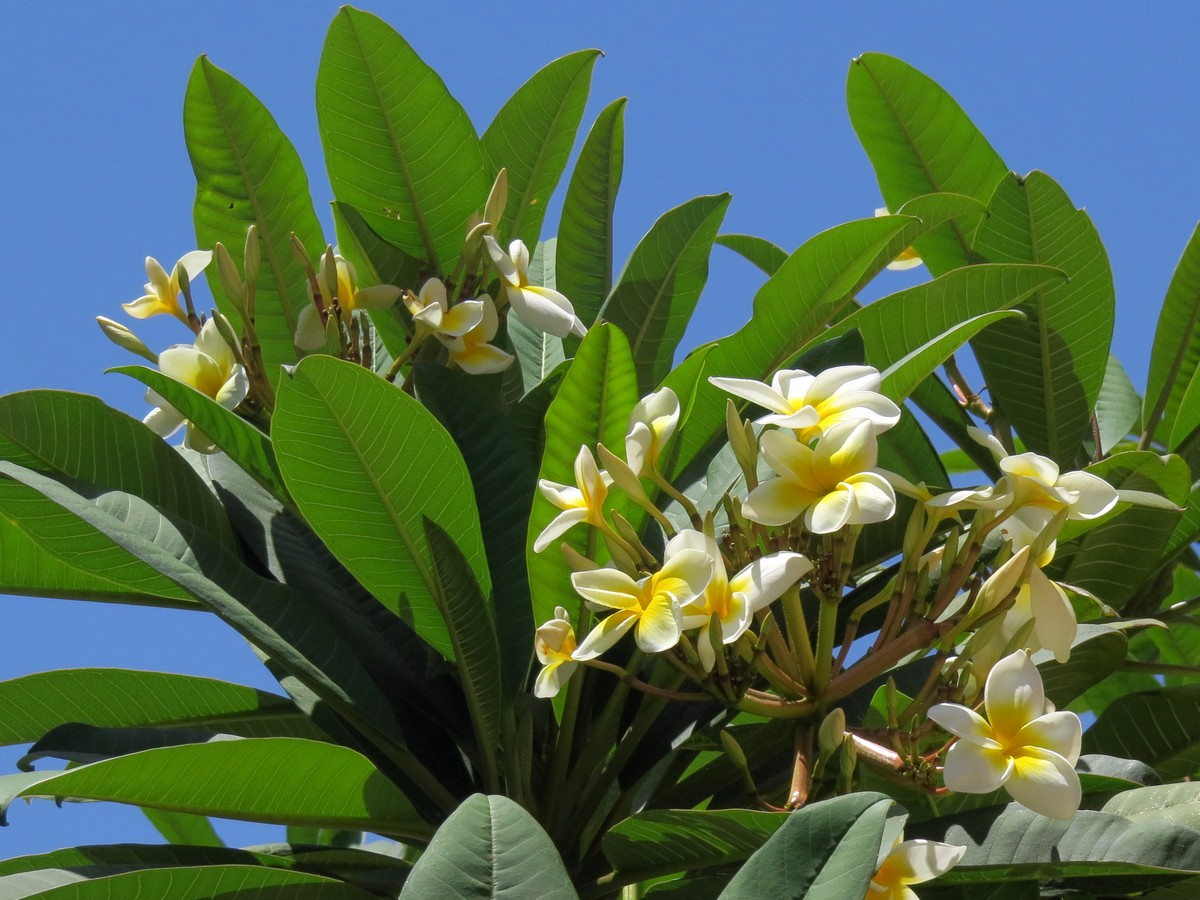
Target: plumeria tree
[559, 609]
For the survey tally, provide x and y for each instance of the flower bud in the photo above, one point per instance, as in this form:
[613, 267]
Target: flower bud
[252, 256]
[576, 560]
[1002, 582]
[622, 475]
[126, 339]
[231, 281]
[225, 328]
[497, 201]
[832, 731]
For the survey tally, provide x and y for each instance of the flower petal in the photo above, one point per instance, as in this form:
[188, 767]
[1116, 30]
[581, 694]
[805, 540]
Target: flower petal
[559, 526]
[462, 318]
[610, 588]
[831, 512]
[610, 630]
[195, 262]
[965, 723]
[164, 421]
[1045, 783]
[234, 390]
[971, 769]
[659, 627]
[378, 296]
[1096, 496]
[502, 261]
[482, 359]
[1059, 732]
[919, 860]
[310, 333]
[764, 580]
[776, 501]
[755, 392]
[1013, 694]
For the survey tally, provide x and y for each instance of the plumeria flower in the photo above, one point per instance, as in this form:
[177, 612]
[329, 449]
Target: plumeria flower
[431, 308]
[734, 601]
[580, 502]
[310, 329]
[554, 643]
[162, 291]
[911, 862]
[473, 351]
[208, 366]
[833, 485]
[651, 424]
[946, 504]
[812, 404]
[539, 307]
[1020, 745]
[907, 258]
[651, 606]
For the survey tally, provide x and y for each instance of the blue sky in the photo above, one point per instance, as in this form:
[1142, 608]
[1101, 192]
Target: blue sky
[95, 177]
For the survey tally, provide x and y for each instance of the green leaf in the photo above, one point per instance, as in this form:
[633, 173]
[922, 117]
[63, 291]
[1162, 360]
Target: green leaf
[1186, 530]
[903, 376]
[532, 136]
[229, 882]
[1098, 650]
[592, 406]
[364, 482]
[57, 864]
[825, 851]
[399, 148]
[1116, 554]
[245, 444]
[920, 141]
[44, 430]
[248, 173]
[1160, 727]
[662, 841]
[657, 292]
[1044, 375]
[585, 234]
[1118, 406]
[34, 704]
[472, 628]
[1175, 803]
[184, 828]
[285, 780]
[505, 480]
[759, 251]
[489, 848]
[1175, 354]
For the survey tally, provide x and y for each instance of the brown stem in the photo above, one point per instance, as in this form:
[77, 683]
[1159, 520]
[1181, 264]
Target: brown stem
[638, 685]
[801, 774]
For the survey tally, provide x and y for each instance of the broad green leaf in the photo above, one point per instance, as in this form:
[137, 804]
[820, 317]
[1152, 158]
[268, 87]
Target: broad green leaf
[936, 401]
[585, 233]
[655, 296]
[364, 462]
[1188, 528]
[920, 141]
[1044, 374]
[1175, 354]
[34, 704]
[505, 479]
[248, 173]
[184, 828]
[688, 887]
[824, 851]
[931, 213]
[245, 444]
[285, 780]
[115, 857]
[1097, 651]
[592, 406]
[759, 251]
[278, 621]
[661, 841]
[78, 436]
[1175, 803]
[228, 882]
[472, 626]
[903, 376]
[1118, 406]
[399, 148]
[489, 848]
[45, 551]
[532, 136]
[1160, 727]
[1114, 557]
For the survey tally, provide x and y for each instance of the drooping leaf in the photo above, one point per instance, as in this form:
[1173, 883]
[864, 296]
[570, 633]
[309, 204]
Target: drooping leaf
[824, 851]
[1044, 374]
[585, 234]
[759, 251]
[592, 406]
[1161, 727]
[1097, 651]
[532, 136]
[1118, 406]
[364, 462]
[489, 848]
[1175, 354]
[248, 173]
[184, 828]
[653, 299]
[920, 141]
[399, 148]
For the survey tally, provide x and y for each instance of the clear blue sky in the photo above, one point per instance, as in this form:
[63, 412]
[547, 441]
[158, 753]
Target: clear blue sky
[94, 176]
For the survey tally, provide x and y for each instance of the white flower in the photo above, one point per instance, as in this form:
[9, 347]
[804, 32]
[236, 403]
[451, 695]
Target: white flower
[431, 308]
[473, 351]
[906, 258]
[1020, 746]
[651, 424]
[310, 329]
[911, 862]
[539, 307]
[208, 366]
[554, 643]
[162, 291]
[581, 502]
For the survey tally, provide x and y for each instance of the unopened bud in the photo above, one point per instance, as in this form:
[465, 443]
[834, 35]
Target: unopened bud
[734, 751]
[832, 732]
[126, 339]
[225, 329]
[621, 556]
[497, 201]
[330, 282]
[252, 257]
[576, 560]
[624, 528]
[299, 251]
[622, 475]
[231, 281]
[741, 445]
[1002, 582]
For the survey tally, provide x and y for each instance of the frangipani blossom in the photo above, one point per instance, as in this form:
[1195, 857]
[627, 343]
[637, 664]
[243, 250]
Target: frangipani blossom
[949, 503]
[554, 643]
[310, 329]
[906, 258]
[911, 862]
[651, 424]
[473, 351]
[1019, 745]
[431, 308]
[581, 502]
[734, 601]
[651, 606]
[162, 291]
[812, 404]
[210, 367]
[539, 307]
[833, 485]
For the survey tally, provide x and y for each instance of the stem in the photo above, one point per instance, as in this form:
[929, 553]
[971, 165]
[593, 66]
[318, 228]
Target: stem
[1159, 668]
[637, 684]
[801, 657]
[801, 774]
[667, 488]
[921, 634]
